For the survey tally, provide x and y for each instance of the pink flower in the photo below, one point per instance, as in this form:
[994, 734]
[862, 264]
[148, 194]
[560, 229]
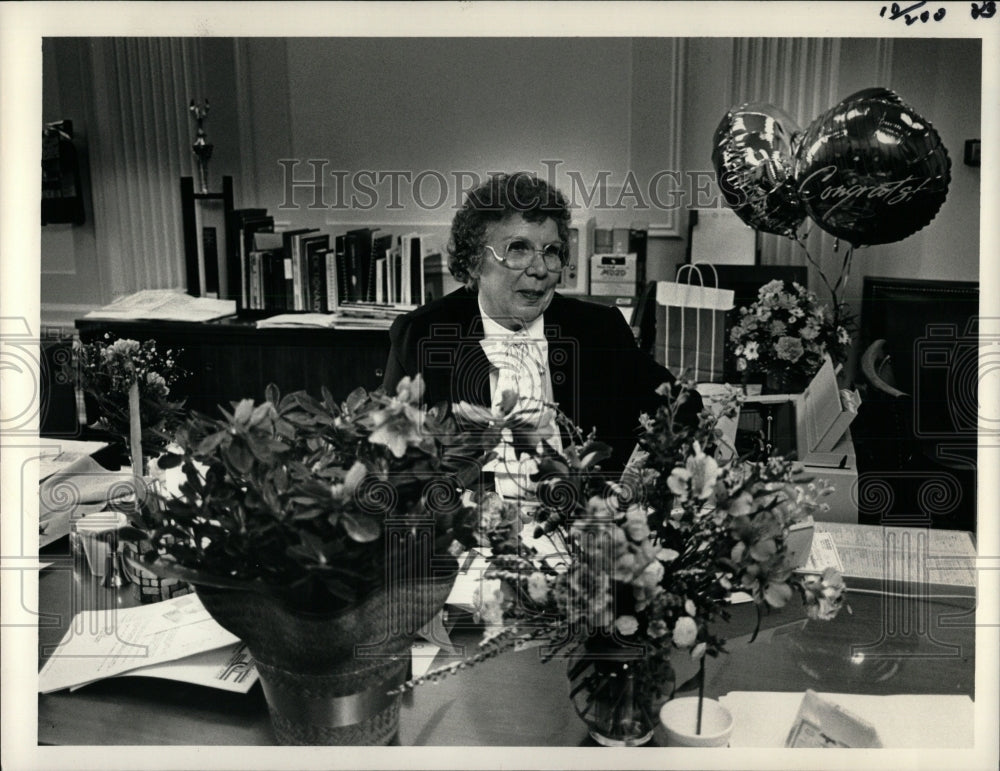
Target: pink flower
[789, 349]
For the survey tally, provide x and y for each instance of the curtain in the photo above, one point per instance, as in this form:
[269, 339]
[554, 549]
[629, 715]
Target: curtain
[801, 77]
[140, 147]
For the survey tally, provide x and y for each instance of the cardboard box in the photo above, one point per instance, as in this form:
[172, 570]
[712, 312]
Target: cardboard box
[613, 274]
[810, 424]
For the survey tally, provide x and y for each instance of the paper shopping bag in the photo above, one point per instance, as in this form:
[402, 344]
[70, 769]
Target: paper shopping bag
[691, 324]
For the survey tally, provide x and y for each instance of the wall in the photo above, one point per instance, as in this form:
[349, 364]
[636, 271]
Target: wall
[479, 105]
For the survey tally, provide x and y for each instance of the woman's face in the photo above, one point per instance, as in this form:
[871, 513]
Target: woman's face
[515, 298]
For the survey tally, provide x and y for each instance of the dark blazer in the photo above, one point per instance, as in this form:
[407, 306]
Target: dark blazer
[600, 379]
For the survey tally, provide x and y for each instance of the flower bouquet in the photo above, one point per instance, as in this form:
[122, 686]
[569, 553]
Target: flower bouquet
[109, 371]
[785, 335]
[645, 565]
[318, 533]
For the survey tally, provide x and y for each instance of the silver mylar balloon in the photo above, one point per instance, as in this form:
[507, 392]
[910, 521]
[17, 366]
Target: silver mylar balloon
[753, 155]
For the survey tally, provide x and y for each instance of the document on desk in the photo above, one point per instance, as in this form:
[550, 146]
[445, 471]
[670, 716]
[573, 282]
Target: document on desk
[105, 643]
[81, 488]
[942, 559]
[64, 455]
[229, 669]
[764, 718]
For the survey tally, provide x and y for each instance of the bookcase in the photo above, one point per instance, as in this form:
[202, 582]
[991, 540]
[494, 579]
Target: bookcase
[230, 359]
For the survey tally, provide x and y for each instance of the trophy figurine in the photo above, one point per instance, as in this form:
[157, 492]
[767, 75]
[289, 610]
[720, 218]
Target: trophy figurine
[202, 149]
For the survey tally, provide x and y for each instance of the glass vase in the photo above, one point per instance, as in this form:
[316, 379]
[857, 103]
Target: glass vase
[618, 692]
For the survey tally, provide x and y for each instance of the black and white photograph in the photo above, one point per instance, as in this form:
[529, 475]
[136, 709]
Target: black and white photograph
[499, 385]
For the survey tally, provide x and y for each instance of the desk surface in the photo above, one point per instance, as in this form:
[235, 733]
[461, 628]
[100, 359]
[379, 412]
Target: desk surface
[886, 645]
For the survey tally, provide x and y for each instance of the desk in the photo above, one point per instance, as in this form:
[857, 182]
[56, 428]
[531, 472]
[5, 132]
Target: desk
[909, 645]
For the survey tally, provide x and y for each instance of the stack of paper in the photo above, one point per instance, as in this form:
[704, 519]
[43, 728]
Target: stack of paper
[177, 632]
[165, 304]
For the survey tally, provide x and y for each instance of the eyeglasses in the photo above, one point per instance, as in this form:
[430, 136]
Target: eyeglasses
[520, 253]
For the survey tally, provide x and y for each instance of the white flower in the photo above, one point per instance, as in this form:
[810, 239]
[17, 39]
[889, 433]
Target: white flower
[538, 588]
[689, 608]
[627, 625]
[685, 632]
[651, 575]
[488, 601]
[750, 352]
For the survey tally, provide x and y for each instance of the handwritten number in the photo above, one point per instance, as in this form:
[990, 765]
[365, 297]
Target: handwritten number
[909, 14]
[986, 10]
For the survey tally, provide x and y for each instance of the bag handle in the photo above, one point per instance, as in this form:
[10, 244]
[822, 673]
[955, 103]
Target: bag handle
[687, 270]
[695, 267]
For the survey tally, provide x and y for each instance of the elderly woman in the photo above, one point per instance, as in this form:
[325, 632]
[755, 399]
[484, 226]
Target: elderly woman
[508, 330]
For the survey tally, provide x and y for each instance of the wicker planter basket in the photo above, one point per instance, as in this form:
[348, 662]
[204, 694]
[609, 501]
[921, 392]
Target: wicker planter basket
[326, 677]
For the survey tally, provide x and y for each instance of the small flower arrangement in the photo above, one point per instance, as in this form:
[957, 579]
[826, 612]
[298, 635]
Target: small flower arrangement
[787, 334]
[106, 370]
[308, 500]
[649, 562]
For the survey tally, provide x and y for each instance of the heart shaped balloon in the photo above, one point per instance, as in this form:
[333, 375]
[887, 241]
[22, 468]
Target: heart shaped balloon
[753, 156]
[871, 170]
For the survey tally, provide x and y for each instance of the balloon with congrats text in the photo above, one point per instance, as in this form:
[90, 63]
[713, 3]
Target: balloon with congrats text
[871, 170]
[753, 155]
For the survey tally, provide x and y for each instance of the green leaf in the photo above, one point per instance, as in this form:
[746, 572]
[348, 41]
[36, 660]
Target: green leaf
[260, 412]
[355, 399]
[361, 527]
[239, 456]
[210, 442]
[243, 411]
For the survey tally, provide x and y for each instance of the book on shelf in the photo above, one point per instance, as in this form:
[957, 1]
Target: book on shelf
[267, 248]
[414, 248]
[381, 246]
[340, 260]
[316, 269]
[248, 222]
[381, 290]
[313, 270]
[293, 266]
[358, 254]
[236, 267]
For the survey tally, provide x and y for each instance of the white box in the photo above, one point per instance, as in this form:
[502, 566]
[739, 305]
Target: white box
[613, 274]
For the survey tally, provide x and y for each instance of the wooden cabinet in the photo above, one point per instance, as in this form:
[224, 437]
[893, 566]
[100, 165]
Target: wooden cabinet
[230, 360]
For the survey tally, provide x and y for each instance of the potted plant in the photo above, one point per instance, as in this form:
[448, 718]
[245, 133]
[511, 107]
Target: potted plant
[643, 567]
[785, 335]
[319, 534]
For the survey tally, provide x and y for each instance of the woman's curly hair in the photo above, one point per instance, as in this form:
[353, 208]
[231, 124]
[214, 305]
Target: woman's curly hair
[499, 197]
